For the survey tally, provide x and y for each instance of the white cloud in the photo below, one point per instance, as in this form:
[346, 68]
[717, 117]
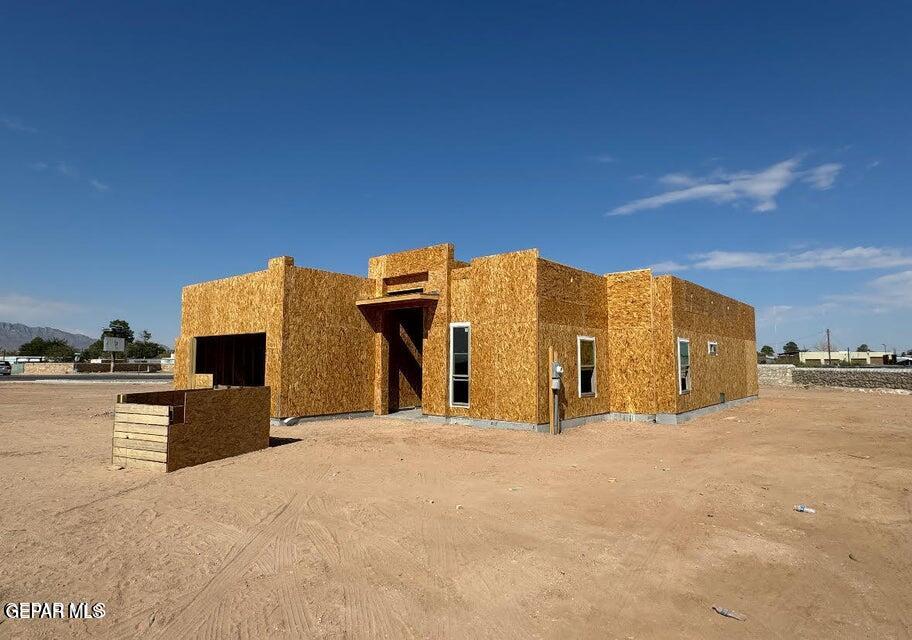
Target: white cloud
[15, 124]
[892, 291]
[605, 158]
[28, 310]
[835, 258]
[823, 177]
[758, 187]
[678, 180]
[888, 296]
[66, 169]
[668, 266]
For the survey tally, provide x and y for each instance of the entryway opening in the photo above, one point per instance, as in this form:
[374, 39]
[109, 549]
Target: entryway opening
[235, 360]
[406, 337]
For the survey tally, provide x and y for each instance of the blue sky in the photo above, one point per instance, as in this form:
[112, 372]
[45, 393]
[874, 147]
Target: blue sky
[763, 151]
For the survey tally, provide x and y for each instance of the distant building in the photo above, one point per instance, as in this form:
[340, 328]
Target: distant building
[845, 356]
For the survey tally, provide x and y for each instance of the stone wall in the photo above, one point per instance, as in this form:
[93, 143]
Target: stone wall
[47, 368]
[775, 375]
[854, 377]
[126, 367]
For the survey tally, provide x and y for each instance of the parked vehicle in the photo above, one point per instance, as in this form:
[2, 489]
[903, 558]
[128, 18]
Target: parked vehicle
[6, 368]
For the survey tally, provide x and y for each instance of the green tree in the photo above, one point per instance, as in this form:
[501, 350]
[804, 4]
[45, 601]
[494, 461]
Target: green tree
[767, 350]
[55, 349]
[145, 348]
[94, 350]
[34, 347]
[119, 329]
[790, 347]
[59, 350]
[863, 347]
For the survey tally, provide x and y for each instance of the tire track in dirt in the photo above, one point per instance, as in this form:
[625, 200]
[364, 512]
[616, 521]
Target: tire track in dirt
[365, 613]
[278, 529]
[194, 618]
[639, 556]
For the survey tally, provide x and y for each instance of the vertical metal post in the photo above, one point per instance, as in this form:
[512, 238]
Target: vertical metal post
[552, 399]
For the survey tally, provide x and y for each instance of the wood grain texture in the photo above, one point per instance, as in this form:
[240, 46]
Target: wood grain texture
[141, 418]
[572, 303]
[497, 296]
[249, 303]
[126, 407]
[147, 445]
[140, 454]
[214, 424]
[132, 435]
[327, 345]
[436, 262]
[141, 428]
[631, 366]
[219, 423]
[702, 315]
[146, 465]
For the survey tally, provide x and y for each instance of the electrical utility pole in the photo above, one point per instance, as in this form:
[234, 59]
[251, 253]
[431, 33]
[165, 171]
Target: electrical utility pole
[829, 351]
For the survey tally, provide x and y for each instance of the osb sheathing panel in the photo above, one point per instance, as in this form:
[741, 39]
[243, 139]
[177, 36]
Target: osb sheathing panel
[437, 261]
[328, 351]
[250, 303]
[666, 368]
[497, 296]
[571, 303]
[219, 424]
[631, 349]
[460, 292]
[702, 315]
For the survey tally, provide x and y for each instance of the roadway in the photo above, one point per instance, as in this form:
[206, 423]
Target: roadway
[91, 377]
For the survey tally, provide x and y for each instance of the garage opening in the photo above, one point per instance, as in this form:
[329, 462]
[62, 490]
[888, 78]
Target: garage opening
[234, 360]
[406, 339]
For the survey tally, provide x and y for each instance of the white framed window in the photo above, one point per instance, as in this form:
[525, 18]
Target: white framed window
[712, 348]
[683, 365]
[460, 363]
[585, 365]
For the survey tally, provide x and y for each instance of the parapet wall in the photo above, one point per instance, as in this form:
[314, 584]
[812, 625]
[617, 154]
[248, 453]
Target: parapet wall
[855, 377]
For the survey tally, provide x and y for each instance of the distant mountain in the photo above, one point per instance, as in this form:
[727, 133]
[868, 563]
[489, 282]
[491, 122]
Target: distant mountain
[12, 336]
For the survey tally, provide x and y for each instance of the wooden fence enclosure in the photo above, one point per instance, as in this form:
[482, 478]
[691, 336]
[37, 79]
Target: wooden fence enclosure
[169, 430]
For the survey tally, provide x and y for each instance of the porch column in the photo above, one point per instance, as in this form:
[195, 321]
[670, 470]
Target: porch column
[381, 365]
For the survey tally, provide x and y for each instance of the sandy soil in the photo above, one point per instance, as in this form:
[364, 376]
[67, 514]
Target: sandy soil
[380, 528]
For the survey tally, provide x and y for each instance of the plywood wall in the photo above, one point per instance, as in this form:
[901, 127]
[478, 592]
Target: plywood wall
[702, 315]
[499, 300]
[219, 424]
[572, 303]
[631, 341]
[250, 303]
[436, 261]
[664, 349]
[327, 346]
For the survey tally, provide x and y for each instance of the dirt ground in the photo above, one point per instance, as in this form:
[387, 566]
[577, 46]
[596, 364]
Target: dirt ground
[382, 528]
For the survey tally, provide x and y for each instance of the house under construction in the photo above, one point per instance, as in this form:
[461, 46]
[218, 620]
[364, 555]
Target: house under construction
[469, 341]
